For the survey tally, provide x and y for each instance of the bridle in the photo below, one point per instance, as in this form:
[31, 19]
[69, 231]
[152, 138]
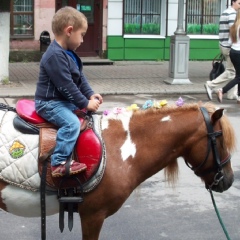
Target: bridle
[212, 145]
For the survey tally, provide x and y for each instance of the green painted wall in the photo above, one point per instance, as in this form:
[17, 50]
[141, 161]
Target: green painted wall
[205, 49]
[119, 48]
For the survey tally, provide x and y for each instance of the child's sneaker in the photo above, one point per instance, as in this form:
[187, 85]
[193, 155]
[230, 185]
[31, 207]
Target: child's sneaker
[75, 167]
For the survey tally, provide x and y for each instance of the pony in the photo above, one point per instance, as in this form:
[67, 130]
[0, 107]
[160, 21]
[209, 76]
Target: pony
[138, 144]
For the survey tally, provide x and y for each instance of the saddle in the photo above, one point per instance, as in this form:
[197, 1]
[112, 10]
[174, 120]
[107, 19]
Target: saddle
[88, 148]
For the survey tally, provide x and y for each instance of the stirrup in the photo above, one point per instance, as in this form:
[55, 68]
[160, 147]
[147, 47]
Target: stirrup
[68, 201]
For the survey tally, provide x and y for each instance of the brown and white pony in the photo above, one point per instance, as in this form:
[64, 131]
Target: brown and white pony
[138, 145]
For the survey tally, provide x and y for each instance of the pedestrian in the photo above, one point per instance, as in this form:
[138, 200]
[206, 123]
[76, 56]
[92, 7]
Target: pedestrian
[62, 88]
[235, 58]
[226, 21]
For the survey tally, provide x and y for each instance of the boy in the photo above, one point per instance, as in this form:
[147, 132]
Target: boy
[62, 88]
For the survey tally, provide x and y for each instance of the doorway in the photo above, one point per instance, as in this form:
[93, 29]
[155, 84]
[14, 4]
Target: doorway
[92, 9]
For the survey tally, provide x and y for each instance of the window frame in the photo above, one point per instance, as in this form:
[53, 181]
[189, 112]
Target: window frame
[201, 35]
[12, 14]
[162, 17]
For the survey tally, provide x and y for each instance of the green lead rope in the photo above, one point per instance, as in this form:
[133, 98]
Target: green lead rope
[218, 215]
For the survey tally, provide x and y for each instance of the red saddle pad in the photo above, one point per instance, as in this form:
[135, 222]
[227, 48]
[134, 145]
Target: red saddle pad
[26, 109]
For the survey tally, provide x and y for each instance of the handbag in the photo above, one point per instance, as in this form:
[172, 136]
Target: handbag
[217, 67]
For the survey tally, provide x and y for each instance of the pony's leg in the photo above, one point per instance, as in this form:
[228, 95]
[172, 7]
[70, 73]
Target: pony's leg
[91, 226]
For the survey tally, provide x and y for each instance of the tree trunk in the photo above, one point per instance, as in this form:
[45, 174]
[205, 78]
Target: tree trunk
[4, 40]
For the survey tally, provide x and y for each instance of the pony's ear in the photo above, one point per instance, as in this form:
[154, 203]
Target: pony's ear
[217, 115]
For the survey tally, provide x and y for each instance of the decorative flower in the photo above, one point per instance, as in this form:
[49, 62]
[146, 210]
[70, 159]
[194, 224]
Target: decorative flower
[106, 112]
[157, 104]
[179, 102]
[163, 102]
[147, 104]
[118, 110]
[133, 107]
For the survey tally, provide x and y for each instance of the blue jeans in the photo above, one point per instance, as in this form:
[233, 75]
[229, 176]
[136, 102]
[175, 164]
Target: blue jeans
[60, 113]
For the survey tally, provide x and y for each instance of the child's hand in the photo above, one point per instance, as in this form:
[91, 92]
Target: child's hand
[98, 97]
[93, 105]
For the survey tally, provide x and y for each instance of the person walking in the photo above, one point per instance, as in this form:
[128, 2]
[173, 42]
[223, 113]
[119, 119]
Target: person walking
[235, 58]
[227, 19]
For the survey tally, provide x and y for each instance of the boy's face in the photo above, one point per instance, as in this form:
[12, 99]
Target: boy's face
[75, 37]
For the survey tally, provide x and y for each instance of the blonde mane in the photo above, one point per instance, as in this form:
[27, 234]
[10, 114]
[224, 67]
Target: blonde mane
[171, 108]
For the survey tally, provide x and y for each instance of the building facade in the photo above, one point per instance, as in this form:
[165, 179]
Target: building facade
[123, 29]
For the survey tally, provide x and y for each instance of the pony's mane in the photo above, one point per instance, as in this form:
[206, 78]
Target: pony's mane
[171, 171]
[170, 108]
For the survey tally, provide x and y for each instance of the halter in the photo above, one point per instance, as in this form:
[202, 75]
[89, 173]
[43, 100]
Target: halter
[212, 145]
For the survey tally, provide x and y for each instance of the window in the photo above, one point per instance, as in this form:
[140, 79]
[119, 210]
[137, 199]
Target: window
[21, 18]
[203, 16]
[142, 16]
[84, 6]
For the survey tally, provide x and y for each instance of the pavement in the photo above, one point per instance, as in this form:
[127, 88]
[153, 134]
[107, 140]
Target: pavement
[121, 77]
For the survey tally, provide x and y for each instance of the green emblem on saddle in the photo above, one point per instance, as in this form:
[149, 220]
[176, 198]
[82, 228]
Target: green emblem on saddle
[17, 149]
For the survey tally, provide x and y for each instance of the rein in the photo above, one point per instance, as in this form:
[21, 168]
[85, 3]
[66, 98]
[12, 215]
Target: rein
[219, 176]
[212, 145]
[218, 215]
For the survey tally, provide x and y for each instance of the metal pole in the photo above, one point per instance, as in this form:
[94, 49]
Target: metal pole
[180, 29]
[179, 52]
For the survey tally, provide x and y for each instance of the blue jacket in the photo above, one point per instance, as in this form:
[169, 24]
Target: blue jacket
[61, 79]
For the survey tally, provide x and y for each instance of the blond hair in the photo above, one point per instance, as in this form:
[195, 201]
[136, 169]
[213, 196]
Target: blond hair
[234, 30]
[67, 16]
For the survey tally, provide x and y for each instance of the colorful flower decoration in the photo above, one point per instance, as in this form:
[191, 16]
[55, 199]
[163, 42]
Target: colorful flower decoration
[163, 102]
[106, 112]
[118, 110]
[133, 107]
[156, 104]
[179, 102]
[147, 104]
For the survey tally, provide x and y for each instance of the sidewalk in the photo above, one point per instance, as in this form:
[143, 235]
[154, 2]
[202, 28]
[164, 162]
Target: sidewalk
[123, 77]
